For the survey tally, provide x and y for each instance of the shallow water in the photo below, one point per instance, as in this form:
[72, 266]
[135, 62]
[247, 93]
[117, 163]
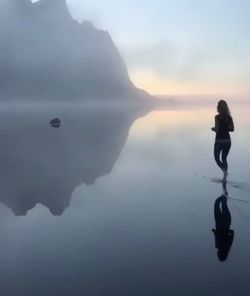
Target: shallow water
[113, 203]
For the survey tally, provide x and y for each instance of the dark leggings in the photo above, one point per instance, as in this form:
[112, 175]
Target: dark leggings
[222, 148]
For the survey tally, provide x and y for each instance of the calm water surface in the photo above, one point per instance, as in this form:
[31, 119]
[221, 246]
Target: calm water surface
[113, 203]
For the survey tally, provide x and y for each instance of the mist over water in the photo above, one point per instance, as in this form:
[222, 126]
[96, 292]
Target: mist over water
[142, 228]
[105, 190]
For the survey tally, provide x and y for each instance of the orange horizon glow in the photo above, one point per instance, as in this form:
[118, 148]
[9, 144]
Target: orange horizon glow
[157, 85]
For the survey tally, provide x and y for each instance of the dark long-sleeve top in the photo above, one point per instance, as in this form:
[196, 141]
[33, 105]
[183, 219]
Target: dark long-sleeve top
[223, 125]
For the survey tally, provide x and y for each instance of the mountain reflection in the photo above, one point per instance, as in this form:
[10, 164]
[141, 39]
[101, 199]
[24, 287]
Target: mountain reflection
[43, 165]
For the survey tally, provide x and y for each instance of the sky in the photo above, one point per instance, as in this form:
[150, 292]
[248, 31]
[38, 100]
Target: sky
[177, 47]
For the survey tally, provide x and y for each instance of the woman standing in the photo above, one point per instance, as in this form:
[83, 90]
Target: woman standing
[223, 125]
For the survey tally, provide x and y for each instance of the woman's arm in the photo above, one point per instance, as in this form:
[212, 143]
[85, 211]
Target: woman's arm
[216, 125]
[231, 125]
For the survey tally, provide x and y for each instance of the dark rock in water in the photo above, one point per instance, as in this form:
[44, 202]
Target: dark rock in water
[56, 122]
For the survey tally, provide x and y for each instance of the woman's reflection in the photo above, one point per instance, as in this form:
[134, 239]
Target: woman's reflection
[224, 236]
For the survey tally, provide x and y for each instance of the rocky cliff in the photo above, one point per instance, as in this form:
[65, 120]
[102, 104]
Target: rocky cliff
[45, 54]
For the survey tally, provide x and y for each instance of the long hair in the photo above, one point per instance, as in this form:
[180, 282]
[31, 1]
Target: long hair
[223, 109]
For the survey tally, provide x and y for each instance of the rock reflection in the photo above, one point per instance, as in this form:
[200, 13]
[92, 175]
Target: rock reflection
[42, 165]
[224, 236]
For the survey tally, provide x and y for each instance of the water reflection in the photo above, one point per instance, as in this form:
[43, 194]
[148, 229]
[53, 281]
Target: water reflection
[224, 236]
[40, 164]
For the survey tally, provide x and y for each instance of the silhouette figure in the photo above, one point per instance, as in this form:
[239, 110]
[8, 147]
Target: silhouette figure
[223, 125]
[224, 236]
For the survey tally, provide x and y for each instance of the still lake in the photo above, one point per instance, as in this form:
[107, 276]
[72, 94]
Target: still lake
[120, 202]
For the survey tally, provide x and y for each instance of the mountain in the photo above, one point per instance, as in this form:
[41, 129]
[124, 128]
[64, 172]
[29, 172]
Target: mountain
[45, 54]
[44, 165]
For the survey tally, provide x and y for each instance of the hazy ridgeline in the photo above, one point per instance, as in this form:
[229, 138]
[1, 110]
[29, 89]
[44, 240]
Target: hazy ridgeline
[45, 54]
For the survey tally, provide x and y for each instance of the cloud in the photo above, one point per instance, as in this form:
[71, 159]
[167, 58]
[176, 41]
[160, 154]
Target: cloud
[170, 61]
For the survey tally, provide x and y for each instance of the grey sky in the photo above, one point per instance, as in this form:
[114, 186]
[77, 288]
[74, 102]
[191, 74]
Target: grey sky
[179, 41]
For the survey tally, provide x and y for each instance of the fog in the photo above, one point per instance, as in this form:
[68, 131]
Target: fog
[45, 54]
